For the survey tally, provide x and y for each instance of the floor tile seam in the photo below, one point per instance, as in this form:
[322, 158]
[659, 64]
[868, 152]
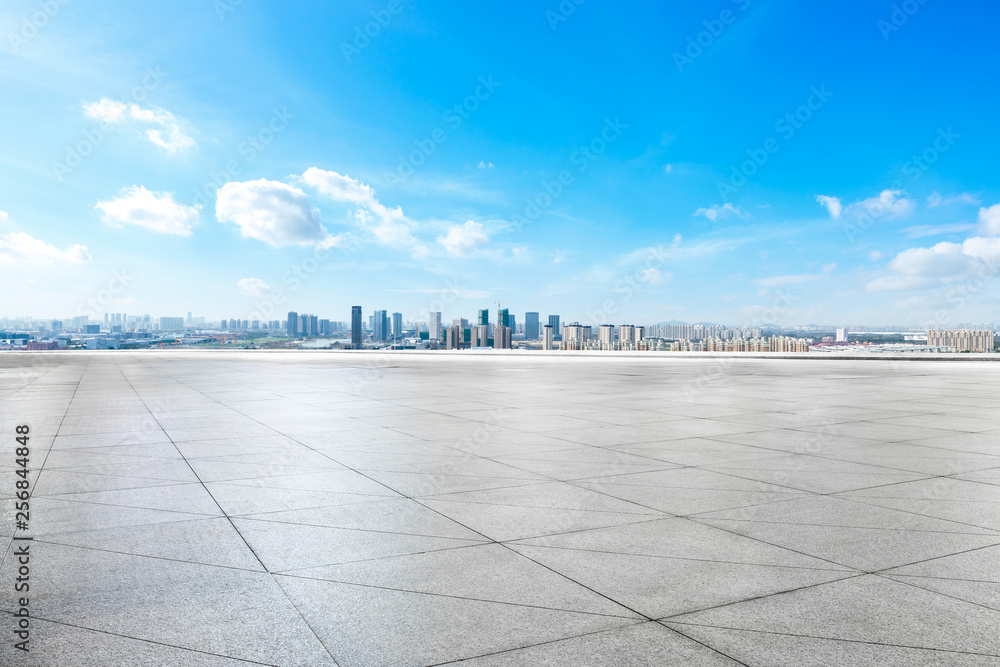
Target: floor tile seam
[449, 595]
[987, 532]
[45, 539]
[753, 598]
[458, 661]
[41, 468]
[833, 639]
[151, 641]
[520, 543]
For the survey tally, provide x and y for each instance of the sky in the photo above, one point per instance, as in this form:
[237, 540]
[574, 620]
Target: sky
[746, 162]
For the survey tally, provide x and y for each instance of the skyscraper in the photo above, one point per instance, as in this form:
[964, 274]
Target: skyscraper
[380, 325]
[356, 327]
[434, 326]
[397, 325]
[547, 343]
[501, 338]
[483, 320]
[292, 327]
[503, 317]
[531, 326]
[554, 323]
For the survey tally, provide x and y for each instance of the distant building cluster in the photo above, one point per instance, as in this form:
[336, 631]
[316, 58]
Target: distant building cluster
[384, 330]
[964, 340]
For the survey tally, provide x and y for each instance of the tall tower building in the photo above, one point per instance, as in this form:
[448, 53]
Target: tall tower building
[292, 327]
[356, 327]
[434, 326]
[483, 320]
[397, 325]
[554, 323]
[503, 317]
[547, 338]
[531, 326]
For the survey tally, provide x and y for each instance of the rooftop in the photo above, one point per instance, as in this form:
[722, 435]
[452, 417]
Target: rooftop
[318, 508]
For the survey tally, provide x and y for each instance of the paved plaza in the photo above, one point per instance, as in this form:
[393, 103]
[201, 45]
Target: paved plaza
[327, 508]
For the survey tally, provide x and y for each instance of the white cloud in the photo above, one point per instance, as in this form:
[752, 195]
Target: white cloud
[254, 287]
[890, 203]
[156, 211]
[389, 226]
[919, 231]
[559, 256]
[827, 268]
[919, 268]
[464, 239]
[717, 211]
[875, 255]
[935, 200]
[485, 165]
[653, 276]
[270, 211]
[22, 248]
[168, 136]
[832, 205]
[989, 220]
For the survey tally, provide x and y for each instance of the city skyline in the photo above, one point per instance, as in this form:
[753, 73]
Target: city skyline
[396, 153]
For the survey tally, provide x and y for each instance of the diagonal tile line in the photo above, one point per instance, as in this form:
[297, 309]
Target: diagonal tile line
[832, 639]
[195, 473]
[41, 468]
[947, 595]
[151, 641]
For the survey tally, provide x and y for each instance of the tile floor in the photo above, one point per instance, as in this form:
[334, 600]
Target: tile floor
[228, 508]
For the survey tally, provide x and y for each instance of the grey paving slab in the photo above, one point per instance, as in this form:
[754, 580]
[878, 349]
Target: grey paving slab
[228, 507]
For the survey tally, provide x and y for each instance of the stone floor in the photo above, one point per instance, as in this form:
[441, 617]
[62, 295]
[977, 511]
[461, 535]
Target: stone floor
[225, 508]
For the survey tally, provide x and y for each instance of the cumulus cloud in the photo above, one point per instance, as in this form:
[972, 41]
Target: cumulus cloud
[889, 203]
[918, 268]
[156, 211]
[270, 211]
[167, 133]
[388, 225]
[717, 211]
[832, 205]
[485, 165]
[989, 220]
[464, 239]
[254, 287]
[24, 249]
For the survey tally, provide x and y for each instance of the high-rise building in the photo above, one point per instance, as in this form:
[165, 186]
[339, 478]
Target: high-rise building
[965, 340]
[483, 320]
[842, 335]
[501, 338]
[503, 317]
[606, 336]
[356, 327]
[531, 326]
[292, 327]
[397, 325]
[434, 326]
[548, 338]
[171, 323]
[380, 325]
[453, 338]
[554, 323]
[483, 334]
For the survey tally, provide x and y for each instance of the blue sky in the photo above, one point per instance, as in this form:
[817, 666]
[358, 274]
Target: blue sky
[740, 162]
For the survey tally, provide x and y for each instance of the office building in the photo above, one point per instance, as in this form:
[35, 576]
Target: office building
[356, 333]
[397, 325]
[483, 319]
[554, 323]
[531, 326]
[380, 325]
[548, 338]
[842, 335]
[501, 338]
[964, 340]
[171, 323]
[453, 338]
[434, 326]
[292, 324]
